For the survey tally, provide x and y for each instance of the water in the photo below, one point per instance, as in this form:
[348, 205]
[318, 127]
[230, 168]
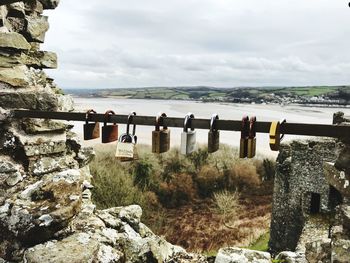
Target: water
[205, 110]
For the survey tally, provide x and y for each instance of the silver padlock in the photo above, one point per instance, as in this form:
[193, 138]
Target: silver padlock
[188, 137]
[126, 145]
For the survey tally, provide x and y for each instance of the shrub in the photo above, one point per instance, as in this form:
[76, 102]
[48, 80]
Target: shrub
[242, 176]
[174, 163]
[227, 202]
[199, 158]
[177, 192]
[145, 175]
[208, 180]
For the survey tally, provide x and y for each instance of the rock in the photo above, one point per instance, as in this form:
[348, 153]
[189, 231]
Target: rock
[35, 59]
[37, 27]
[341, 251]
[77, 248]
[45, 165]
[240, 255]
[131, 214]
[40, 126]
[49, 4]
[13, 41]
[318, 251]
[16, 76]
[65, 103]
[33, 6]
[16, 9]
[340, 180]
[46, 148]
[39, 100]
[14, 179]
[291, 257]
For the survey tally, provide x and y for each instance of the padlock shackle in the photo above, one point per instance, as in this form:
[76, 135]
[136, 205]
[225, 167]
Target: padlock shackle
[160, 117]
[130, 117]
[213, 122]
[281, 124]
[107, 116]
[87, 115]
[187, 122]
[252, 127]
[245, 127]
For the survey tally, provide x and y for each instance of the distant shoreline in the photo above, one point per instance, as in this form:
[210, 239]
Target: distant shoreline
[220, 102]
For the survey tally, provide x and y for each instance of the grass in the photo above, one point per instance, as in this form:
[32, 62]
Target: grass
[262, 243]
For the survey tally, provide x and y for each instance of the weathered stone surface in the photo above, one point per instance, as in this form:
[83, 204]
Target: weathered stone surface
[291, 257]
[15, 24]
[240, 255]
[35, 59]
[45, 165]
[50, 4]
[42, 126]
[33, 6]
[29, 100]
[319, 251]
[65, 103]
[13, 41]
[296, 179]
[341, 251]
[37, 27]
[16, 9]
[16, 76]
[338, 179]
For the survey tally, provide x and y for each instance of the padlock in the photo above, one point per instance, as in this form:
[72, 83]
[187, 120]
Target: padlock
[91, 130]
[126, 145]
[213, 135]
[109, 132]
[160, 137]
[275, 135]
[243, 147]
[252, 138]
[188, 138]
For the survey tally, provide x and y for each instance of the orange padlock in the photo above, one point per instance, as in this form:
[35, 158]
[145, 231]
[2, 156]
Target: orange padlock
[91, 130]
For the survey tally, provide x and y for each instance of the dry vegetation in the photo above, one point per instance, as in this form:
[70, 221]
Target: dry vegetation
[201, 202]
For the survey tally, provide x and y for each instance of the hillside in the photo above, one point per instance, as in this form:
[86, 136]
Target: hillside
[324, 95]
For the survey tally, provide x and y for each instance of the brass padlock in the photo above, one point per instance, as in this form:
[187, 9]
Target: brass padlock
[213, 135]
[275, 135]
[91, 130]
[109, 132]
[160, 137]
[126, 145]
[252, 138]
[243, 147]
[188, 137]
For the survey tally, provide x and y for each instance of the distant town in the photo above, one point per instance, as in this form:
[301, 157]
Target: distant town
[329, 96]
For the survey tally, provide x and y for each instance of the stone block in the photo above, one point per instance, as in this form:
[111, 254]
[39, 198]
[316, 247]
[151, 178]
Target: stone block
[318, 251]
[340, 180]
[240, 255]
[16, 76]
[290, 257]
[49, 4]
[341, 251]
[45, 148]
[16, 10]
[13, 41]
[45, 165]
[37, 27]
[42, 126]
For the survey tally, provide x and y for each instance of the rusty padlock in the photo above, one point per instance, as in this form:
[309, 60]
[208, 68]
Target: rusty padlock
[109, 132]
[91, 130]
[213, 135]
[188, 137]
[275, 135]
[160, 137]
[126, 145]
[252, 138]
[243, 146]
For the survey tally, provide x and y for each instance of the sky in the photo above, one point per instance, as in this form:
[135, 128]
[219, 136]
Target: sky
[221, 43]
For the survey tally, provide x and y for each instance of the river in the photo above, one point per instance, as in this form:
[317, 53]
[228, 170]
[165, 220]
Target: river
[177, 108]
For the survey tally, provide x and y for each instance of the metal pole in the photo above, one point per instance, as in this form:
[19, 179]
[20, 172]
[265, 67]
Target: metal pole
[321, 130]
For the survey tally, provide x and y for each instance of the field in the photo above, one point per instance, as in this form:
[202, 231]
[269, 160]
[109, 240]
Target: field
[201, 202]
[328, 95]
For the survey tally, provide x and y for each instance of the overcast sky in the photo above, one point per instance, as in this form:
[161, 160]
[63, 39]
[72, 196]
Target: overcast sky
[223, 43]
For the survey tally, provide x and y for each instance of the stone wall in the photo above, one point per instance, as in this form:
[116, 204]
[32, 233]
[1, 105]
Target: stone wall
[46, 213]
[299, 173]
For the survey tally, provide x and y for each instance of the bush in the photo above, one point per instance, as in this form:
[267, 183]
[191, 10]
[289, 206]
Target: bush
[145, 175]
[208, 180]
[179, 191]
[227, 202]
[199, 158]
[242, 176]
[174, 163]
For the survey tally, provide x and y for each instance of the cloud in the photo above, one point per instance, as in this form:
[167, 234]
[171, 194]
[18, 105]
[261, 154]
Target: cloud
[200, 42]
